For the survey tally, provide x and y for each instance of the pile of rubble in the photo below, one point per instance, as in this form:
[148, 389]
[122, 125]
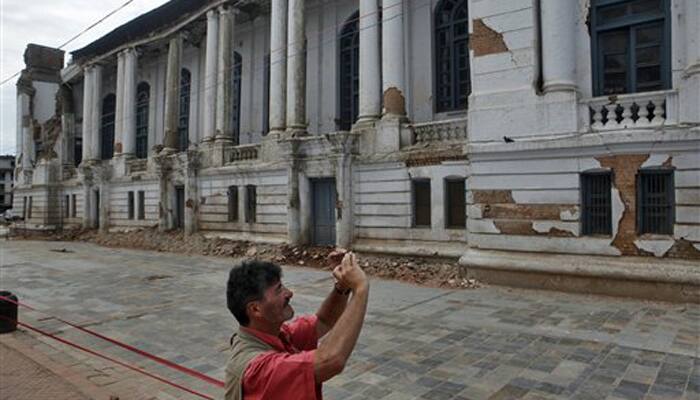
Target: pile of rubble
[427, 271]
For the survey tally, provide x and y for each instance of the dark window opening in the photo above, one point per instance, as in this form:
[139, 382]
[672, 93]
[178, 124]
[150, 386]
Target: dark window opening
[24, 207]
[66, 206]
[596, 207]
[630, 46]
[266, 98]
[29, 208]
[141, 197]
[77, 150]
[456, 204]
[421, 203]
[109, 104]
[452, 80]
[143, 98]
[74, 206]
[655, 201]
[232, 203]
[130, 205]
[251, 201]
[349, 65]
[236, 103]
[183, 126]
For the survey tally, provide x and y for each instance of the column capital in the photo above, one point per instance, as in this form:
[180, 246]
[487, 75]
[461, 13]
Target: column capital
[212, 14]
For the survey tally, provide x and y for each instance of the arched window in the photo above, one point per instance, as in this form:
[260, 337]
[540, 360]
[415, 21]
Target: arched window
[236, 106]
[143, 98]
[349, 73]
[452, 82]
[184, 122]
[109, 105]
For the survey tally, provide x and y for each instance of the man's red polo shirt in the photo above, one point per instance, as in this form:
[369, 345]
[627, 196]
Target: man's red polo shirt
[287, 373]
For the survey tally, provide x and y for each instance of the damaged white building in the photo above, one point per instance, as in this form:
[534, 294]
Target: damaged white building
[482, 128]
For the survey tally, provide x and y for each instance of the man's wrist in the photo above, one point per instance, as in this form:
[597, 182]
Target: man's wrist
[343, 291]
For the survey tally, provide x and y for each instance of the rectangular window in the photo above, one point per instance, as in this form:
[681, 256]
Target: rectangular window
[421, 203]
[24, 207]
[66, 206]
[456, 204]
[596, 207]
[266, 97]
[251, 201]
[655, 201]
[29, 208]
[141, 205]
[631, 46]
[232, 203]
[74, 208]
[130, 205]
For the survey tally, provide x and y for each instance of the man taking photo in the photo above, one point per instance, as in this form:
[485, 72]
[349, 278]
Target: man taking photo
[273, 359]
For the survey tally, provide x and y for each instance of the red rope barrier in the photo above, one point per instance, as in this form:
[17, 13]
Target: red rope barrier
[150, 356]
[108, 358]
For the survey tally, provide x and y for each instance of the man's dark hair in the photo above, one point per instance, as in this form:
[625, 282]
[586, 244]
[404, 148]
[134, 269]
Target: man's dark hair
[247, 282]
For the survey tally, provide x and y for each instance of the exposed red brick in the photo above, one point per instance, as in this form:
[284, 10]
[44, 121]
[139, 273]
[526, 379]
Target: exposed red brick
[484, 40]
[625, 169]
[394, 101]
[493, 196]
[528, 212]
[525, 228]
[683, 249]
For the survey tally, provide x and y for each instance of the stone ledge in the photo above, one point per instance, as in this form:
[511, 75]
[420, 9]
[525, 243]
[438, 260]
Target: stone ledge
[647, 278]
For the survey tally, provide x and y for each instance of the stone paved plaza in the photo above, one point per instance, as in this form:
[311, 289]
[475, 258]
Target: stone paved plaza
[418, 343]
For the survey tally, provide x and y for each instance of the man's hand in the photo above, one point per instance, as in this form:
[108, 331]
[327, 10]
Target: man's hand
[349, 274]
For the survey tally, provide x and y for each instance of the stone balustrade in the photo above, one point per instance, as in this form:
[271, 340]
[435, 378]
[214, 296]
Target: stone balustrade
[137, 165]
[244, 152]
[638, 110]
[439, 131]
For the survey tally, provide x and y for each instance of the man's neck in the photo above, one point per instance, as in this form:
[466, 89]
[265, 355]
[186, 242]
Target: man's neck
[263, 327]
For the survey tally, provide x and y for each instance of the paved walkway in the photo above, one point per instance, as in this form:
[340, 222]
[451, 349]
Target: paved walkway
[418, 343]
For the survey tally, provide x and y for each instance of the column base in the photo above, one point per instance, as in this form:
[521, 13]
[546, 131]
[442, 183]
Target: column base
[365, 122]
[166, 151]
[296, 131]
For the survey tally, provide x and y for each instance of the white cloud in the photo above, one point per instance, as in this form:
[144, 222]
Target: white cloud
[50, 23]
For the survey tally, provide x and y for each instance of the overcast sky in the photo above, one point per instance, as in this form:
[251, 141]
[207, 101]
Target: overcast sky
[50, 23]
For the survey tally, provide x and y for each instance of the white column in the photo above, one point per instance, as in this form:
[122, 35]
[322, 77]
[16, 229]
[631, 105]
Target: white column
[210, 75]
[559, 45]
[88, 93]
[24, 126]
[278, 66]
[296, 68]
[393, 81]
[692, 28]
[96, 113]
[119, 110]
[172, 94]
[370, 62]
[224, 81]
[129, 105]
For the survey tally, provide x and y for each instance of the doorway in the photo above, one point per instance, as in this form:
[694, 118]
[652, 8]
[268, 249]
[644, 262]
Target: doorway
[179, 207]
[323, 211]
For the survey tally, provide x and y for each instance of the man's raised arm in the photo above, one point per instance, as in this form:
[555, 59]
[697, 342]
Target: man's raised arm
[334, 351]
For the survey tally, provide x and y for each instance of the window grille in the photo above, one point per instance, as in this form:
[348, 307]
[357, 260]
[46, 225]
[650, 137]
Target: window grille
[143, 98]
[349, 72]
[456, 204]
[251, 201]
[596, 207]
[141, 205]
[183, 126]
[109, 104]
[630, 46]
[421, 203]
[452, 80]
[131, 207]
[655, 201]
[232, 203]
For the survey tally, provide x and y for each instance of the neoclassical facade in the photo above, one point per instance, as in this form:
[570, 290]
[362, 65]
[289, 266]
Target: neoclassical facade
[454, 127]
